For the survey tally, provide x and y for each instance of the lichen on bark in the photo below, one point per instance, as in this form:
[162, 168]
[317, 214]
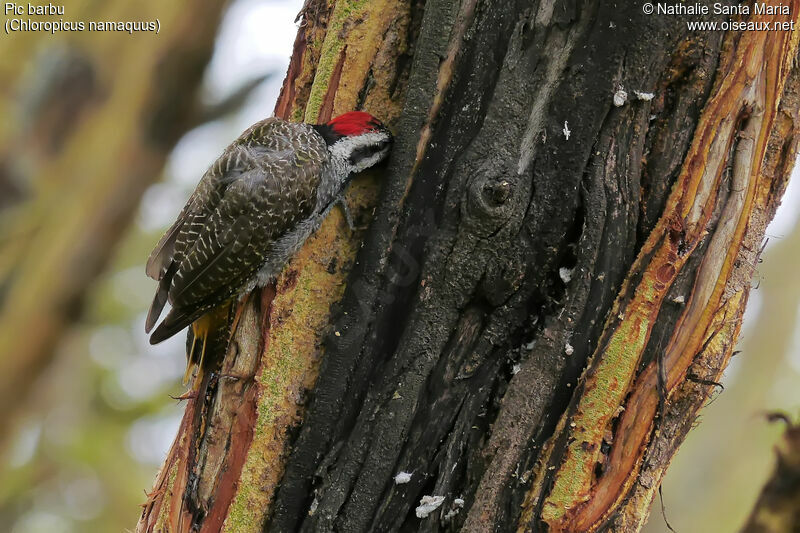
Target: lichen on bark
[282, 329]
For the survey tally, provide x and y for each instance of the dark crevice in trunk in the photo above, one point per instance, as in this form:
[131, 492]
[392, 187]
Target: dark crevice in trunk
[497, 251]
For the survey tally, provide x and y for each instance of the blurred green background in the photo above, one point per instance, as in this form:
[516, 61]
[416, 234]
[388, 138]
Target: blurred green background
[90, 425]
[91, 430]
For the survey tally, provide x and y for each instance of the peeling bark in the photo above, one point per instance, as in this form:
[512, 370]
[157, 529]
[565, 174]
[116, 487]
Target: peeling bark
[710, 205]
[503, 328]
[228, 458]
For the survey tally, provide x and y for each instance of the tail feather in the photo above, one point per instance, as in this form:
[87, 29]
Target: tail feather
[207, 342]
[191, 346]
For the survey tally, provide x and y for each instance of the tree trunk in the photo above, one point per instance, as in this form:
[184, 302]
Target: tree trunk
[568, 225]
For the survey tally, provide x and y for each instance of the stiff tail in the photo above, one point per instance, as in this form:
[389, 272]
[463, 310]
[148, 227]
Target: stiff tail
[207, 342]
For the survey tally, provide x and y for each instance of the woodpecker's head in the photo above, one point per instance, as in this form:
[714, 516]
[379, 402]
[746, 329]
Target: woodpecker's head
[357, 138]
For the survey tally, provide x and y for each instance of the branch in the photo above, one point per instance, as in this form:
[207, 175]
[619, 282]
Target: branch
[778, 507]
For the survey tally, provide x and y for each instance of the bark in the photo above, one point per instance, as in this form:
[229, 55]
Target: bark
[568, 224]
[95, 118]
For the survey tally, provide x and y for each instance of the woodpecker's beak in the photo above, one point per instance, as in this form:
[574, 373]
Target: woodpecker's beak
[389, 137]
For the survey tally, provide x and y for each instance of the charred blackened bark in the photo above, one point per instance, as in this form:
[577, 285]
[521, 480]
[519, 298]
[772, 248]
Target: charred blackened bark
[568, 223]
[507, 228]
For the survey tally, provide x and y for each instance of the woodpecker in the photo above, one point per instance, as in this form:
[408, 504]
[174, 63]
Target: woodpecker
[252, 210]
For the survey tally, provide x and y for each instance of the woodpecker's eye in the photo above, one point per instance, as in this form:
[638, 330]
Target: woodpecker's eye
[365, 152]
[382, 145]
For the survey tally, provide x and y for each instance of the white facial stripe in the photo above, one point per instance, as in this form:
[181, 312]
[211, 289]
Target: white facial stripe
[372, 160]
[345, 146]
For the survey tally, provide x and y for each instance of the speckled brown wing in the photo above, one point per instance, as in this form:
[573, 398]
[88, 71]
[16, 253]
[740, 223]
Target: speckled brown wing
[260, 189]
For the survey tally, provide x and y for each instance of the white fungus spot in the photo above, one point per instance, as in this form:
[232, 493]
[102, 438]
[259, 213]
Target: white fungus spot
[313, 508]
[566, 131]
[641, 95]
[458, 504]
[620, 97]
[428, 504]
[529, 345]
[568, 349]
[515, 369]
[402, 478]
[565, 274]
[679, 299]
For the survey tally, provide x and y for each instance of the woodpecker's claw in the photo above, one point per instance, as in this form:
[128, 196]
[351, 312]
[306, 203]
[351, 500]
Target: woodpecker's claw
[346, 211]
[348, 216]
[188, 395]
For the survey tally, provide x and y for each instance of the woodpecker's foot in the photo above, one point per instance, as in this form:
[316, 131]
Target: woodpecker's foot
[188, 395]
[347, 215]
